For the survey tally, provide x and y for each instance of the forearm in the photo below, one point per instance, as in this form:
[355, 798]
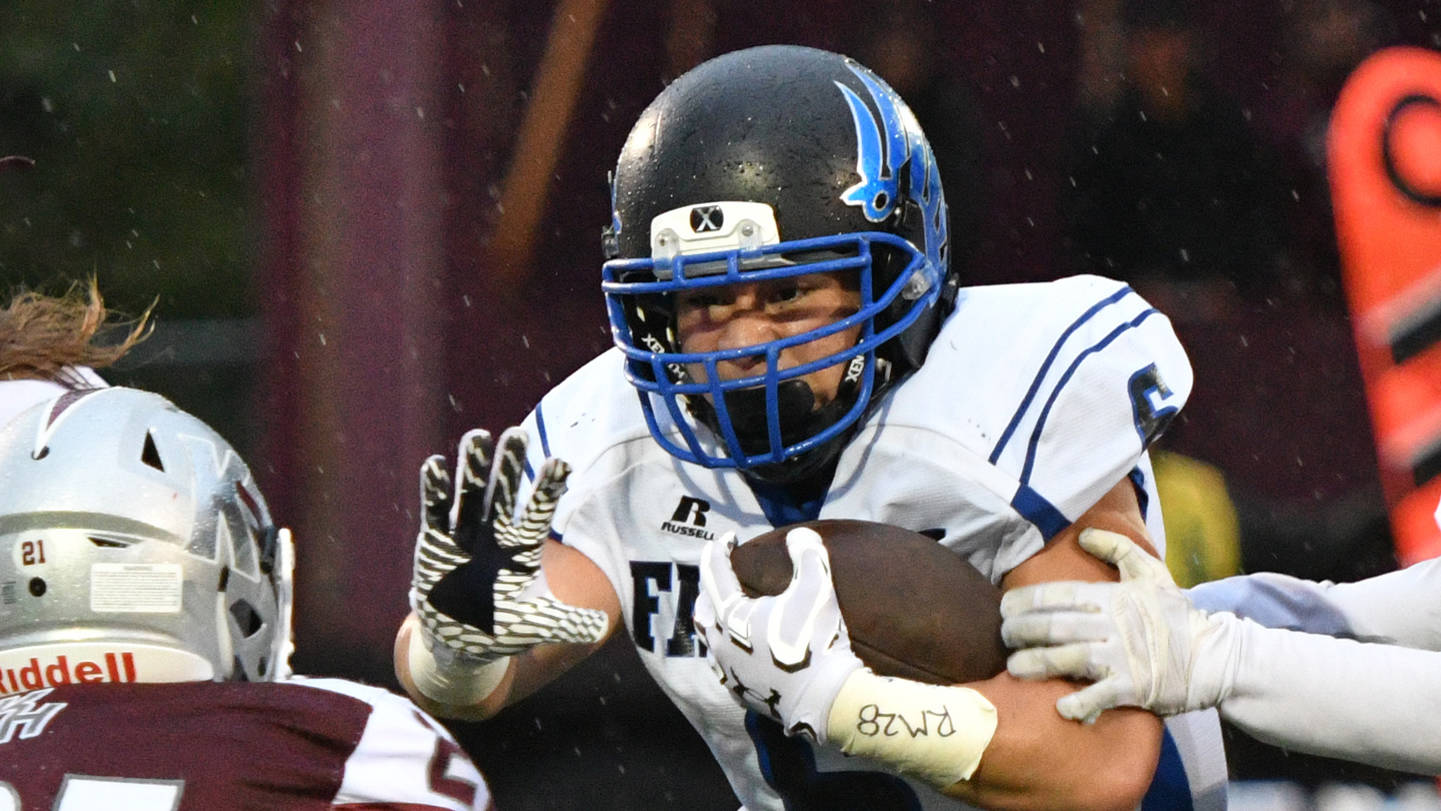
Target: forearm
[473, 693]
[1037, 759]
[1372, 703]
[997, 743]
[467, 695]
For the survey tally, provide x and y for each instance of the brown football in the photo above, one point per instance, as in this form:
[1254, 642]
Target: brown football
[914, 608]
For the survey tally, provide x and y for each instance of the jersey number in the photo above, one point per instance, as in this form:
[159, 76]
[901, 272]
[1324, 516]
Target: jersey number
[1149, 406]
[79, 793]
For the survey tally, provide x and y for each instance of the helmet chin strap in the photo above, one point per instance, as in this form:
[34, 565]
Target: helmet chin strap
[795, 405]
[799, 418]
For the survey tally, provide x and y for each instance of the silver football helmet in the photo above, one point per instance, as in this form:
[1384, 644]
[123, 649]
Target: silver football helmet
[134, 546]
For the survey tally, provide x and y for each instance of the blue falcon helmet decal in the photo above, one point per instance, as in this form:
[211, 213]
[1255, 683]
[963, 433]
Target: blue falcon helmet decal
[719, 182]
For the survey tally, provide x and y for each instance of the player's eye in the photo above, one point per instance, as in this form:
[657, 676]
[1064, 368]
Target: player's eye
[698, 300]
[786, 293]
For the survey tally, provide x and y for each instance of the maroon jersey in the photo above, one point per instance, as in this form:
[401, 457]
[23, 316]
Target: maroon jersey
[300, 744]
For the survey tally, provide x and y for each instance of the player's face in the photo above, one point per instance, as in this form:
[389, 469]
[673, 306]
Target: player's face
[718, 318]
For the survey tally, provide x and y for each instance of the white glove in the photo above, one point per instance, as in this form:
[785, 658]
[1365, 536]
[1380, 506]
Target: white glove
[784, 656]
[476, 583]
[1140, 640]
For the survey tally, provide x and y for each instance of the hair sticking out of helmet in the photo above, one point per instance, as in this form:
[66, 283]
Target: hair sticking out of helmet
[718, 185]
[45, 337]
[141, 547]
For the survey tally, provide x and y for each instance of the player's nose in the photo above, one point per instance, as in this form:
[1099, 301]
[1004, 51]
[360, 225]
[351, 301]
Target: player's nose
[747, 327]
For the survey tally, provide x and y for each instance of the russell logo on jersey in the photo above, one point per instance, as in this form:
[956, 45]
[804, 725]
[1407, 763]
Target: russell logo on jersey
[689, 519]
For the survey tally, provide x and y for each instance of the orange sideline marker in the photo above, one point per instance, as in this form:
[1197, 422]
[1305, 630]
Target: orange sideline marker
[1384, 156]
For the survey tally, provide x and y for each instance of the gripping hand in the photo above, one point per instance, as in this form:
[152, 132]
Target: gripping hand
[476, 584]
[786, 656]
[1140, 640]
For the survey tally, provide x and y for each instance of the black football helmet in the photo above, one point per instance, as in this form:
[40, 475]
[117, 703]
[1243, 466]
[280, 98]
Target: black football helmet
[763, 163]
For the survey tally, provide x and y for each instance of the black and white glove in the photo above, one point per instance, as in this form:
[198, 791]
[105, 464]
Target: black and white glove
[477, 584]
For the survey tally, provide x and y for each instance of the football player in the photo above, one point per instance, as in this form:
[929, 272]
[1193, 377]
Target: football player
[145, 634]
[792, 343]
[1348, 670]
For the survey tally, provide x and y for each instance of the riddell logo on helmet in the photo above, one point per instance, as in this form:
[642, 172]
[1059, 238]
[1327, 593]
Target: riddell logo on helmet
[62, 669]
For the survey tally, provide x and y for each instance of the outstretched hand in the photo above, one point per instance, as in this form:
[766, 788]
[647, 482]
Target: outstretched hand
[785, 656]
[476, 583]
[1140, 640]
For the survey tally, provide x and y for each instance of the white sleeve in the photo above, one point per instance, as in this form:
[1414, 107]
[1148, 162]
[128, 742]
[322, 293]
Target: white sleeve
[1275, 601]
[1366, 702]
[1401, 607]
[405, 757]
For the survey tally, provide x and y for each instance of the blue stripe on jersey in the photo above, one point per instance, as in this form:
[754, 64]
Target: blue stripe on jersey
[1038, 511]
[1170, 790]
[1056, 392]
[1138, 481]
[1046, 365]
[789, 766]
[540, 428]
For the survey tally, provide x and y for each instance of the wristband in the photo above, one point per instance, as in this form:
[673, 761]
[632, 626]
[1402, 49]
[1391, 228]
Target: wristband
[928, 731]
[456, 681]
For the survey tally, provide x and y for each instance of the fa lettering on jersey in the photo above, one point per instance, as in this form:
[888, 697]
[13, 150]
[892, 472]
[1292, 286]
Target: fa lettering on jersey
[664, 591]
[676, 585]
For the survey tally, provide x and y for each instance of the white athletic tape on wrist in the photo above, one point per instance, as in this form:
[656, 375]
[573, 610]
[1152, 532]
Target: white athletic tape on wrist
[456, 682]
[928, 731]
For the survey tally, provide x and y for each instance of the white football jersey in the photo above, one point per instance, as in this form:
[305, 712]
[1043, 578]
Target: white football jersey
[1035, 401]
[18, 395]
[403, 756]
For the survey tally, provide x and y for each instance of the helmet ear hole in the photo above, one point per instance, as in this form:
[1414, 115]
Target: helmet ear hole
[247, 619]
[151, 454]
